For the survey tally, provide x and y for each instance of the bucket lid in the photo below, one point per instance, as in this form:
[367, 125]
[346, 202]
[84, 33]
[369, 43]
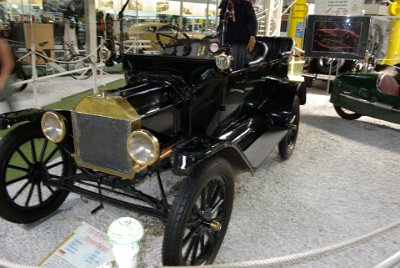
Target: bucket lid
[125, 231]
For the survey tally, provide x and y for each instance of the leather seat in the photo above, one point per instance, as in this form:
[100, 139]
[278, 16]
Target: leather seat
[243, 57]
[388, 85]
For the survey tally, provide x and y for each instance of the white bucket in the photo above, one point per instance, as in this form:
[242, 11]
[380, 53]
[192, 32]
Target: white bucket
[125, 234]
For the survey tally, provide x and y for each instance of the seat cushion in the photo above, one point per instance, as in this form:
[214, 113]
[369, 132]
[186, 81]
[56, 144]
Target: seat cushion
[388, 85]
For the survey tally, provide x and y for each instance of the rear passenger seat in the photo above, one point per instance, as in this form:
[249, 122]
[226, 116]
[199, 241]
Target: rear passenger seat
[389, 85]
[389, 82]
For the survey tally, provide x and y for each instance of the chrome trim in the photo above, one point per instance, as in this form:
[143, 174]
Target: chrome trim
[135, 169]
[154, 142]
[104, 53]
[61, 120]
[260, 59]
[113, 107]
[228, 59]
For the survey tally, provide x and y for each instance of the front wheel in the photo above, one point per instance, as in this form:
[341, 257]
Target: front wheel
[346, 114]
[200, 215]
[288, 143]
[27, 159]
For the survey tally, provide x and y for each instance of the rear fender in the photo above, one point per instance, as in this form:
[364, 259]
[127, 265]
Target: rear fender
[302, 92]
[190, 153]
[286, 91]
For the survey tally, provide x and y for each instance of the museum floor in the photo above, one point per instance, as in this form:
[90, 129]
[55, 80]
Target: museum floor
[54, 90]
[341, 182]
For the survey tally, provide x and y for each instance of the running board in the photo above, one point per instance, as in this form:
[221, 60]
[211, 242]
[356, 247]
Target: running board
[376, 103]
[260, 149]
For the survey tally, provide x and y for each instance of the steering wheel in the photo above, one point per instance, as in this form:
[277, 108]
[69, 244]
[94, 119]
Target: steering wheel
[172, 36]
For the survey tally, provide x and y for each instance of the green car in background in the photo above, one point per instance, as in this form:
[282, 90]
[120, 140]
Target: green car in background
[375, 94]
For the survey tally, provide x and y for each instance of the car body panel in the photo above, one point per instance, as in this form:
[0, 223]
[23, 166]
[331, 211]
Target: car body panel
[358, 92]
[199, 107]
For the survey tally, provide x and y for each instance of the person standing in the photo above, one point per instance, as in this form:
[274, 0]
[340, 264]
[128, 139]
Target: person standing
[241, 29]
[6, 67]
[242, 23]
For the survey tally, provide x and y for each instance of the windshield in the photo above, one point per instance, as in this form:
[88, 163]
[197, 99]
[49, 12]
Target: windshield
[190, 34]
[157, 38]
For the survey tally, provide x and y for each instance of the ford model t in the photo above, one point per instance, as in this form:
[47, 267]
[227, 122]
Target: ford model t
[186, 109]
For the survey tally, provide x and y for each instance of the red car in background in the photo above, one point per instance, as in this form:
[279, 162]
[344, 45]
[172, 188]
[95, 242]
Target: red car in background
[335, 39]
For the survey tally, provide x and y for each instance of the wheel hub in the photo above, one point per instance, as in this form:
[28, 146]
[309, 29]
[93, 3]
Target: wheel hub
[37, 172]
[207, 223]
[215, 225]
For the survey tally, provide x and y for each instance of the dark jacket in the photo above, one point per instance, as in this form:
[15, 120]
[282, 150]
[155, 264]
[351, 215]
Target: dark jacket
[245, 24]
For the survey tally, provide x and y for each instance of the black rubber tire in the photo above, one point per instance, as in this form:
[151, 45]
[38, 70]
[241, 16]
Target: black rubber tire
[20, 76]
[211, 185]
[346, 114]
[74, 66]
[109, 63]
[23, 196]
[288, 143]
[308, 81]
[322, 65]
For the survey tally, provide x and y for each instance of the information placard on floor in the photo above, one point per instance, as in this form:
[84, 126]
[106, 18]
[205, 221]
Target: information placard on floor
[86, 247]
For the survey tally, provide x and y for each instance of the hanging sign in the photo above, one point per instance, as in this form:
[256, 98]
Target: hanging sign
[339, 7]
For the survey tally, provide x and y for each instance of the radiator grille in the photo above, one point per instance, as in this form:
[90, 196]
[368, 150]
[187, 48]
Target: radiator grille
[101, 141]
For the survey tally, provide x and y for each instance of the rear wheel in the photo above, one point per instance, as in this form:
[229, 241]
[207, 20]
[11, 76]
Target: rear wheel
[308, 81]
[288, 143]
[27, 159]
[326, 65]
[346, 114]
[200, 215]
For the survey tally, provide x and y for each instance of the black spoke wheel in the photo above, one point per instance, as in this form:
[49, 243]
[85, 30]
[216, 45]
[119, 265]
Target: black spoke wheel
[200, 215]
[346, 114]
[288, 143]
[27, 159]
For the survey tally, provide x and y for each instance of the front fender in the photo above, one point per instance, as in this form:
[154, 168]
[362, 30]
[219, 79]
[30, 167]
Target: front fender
[192, 152]
[7, 120]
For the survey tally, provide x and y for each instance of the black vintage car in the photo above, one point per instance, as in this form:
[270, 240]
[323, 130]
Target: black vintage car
[187, 109]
